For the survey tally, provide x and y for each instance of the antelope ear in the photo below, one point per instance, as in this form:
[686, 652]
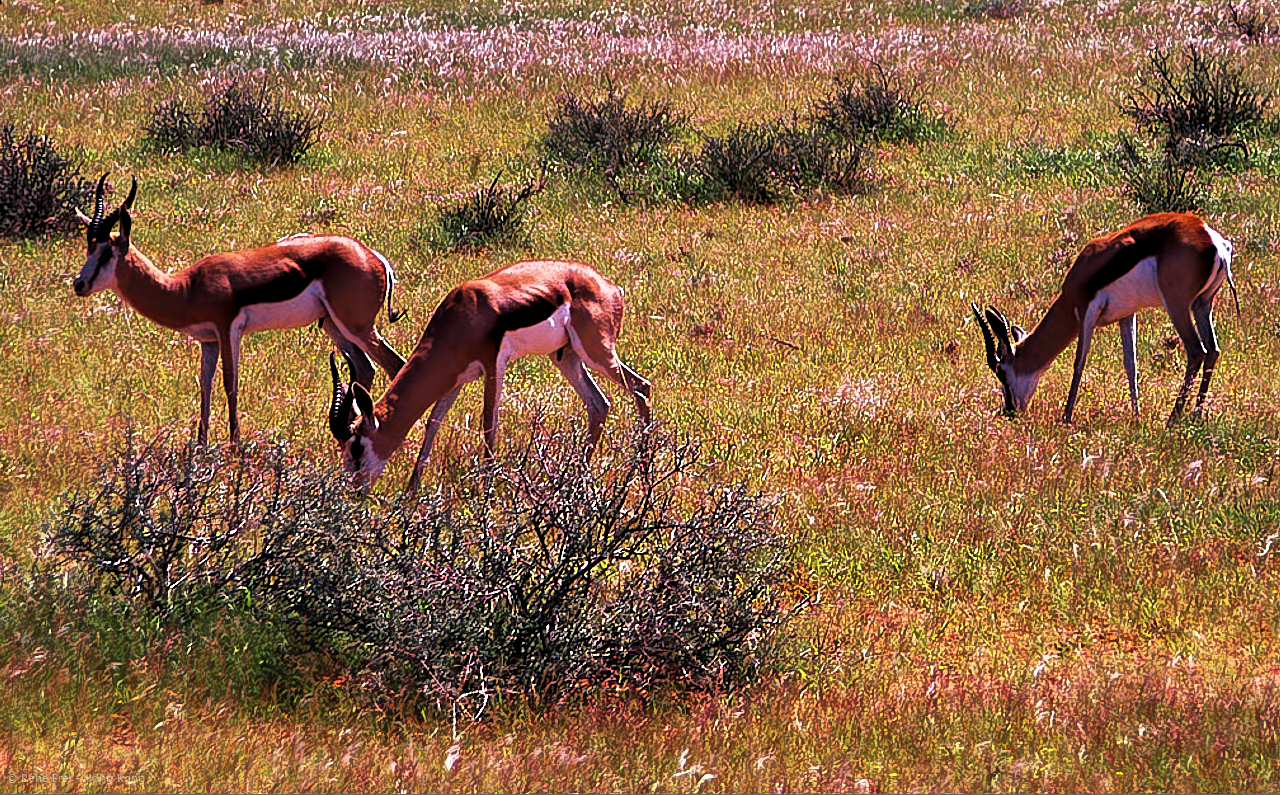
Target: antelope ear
[1018, 333]
[365, 404]
[82, 218]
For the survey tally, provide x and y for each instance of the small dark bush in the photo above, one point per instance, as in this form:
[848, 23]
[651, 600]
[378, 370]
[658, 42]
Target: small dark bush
[494, 215]
[258, 125]
[1161, 182]
[541, 575]
[40, 188]
[624, 147]
[253, 123]
[994, 9]
[808, 158]
[739, 165]
[881, 106]
[765, 163]
[609, 137]
[1196, 97]
[173, 127]
[1253, 25]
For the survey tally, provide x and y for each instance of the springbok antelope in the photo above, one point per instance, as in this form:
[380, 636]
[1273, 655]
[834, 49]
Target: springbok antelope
[290, 283]
[1172, 260]
[565, 309]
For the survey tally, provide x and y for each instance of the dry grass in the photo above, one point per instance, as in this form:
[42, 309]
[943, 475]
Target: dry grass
[1002, 605]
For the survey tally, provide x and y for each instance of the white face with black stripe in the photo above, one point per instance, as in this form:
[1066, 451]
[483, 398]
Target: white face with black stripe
[99, 270]
[359, 459]
[1017, 387]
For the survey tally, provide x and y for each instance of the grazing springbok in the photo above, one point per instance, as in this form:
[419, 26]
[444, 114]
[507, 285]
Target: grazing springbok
[1172, 260]
[290, 283]
[564, 309]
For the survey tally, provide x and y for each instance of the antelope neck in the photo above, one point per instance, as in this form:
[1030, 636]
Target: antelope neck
[1056, 330]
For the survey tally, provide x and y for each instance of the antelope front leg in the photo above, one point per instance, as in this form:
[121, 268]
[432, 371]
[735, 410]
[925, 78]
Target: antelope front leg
[208, 364]
[641, 392]
[1128, 327]
[1082, 356]
[429, 437]
[494, 373]
[597, 405]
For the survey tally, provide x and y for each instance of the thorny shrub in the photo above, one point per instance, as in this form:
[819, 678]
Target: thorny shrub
[40, 188]
[609, 136]
[493, 215]
[881, 106]
[541, 575]
[1196, 97]
[253, 123]
[1160, 182]
[767, 162]
[738, 164]
[808, 158]
[173, 528]
[625, 148]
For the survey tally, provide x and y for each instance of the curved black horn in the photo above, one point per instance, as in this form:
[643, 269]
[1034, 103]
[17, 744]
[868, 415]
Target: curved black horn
[128, 203]
[340, 409]
[98, 199]
[105, 225]
[992, 359]
[999, 327]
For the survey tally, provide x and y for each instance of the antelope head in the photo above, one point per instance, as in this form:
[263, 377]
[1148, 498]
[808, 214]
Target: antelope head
[104, 251]
[352, 421]
[1002, 340]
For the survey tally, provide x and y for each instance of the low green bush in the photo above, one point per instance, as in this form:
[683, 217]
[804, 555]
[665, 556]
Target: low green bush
[491, 216]
[253, 123]
[40, 186]
[540, 575]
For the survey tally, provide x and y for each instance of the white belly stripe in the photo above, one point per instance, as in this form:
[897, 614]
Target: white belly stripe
[305, 307]
[542, 338]
[1137, 289]
[546, 337]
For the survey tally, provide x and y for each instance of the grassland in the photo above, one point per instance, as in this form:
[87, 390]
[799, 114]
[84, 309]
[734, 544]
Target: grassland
[1001, 604]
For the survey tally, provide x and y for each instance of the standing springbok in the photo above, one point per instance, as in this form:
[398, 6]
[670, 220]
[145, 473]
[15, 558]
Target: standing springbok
[1172, 260]
[290, 283]
[565, 309]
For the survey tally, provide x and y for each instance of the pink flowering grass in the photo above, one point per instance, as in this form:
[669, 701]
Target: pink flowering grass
[485, 46]
[996, 604]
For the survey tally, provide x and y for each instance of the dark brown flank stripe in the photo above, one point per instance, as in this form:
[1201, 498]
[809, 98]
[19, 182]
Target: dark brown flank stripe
[1126, 258]
[538, 309]
[286, 286]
